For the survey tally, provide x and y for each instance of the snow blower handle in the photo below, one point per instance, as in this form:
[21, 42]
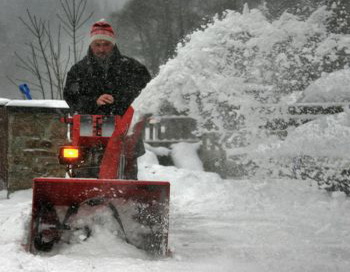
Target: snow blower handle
[110, 164]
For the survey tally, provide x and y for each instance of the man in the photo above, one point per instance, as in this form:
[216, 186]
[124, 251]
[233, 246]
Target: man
[105, 82]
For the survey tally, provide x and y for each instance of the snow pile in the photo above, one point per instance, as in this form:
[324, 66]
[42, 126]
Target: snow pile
[333, 87]
[37, 103]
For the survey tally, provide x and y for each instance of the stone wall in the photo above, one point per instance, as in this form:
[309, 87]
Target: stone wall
[3, 147]
[29, 148]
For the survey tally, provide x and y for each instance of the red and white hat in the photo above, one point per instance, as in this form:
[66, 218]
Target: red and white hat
[102, 30]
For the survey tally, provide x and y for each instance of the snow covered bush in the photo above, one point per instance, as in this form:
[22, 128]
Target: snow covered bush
[331, 88]
[318, 150]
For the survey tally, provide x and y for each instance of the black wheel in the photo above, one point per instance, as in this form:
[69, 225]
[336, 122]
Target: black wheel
[46, 230]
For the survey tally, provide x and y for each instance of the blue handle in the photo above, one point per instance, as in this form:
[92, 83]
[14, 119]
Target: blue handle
[25, 90]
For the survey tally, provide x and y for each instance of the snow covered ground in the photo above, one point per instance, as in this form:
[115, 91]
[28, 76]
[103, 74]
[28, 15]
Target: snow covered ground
[221, 225]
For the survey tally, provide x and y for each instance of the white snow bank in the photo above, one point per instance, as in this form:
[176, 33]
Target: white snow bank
[38, 103]
[4, 101]
[333, 87]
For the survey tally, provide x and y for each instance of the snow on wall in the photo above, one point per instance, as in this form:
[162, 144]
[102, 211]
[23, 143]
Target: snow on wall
[3, 101]
[34, 103]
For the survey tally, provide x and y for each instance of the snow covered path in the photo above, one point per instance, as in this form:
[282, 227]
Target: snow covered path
[216, 225]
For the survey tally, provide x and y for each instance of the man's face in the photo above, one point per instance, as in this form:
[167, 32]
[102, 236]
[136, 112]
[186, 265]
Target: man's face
[101, 48]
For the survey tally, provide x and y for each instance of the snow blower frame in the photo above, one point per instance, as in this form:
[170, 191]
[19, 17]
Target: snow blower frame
[140, 208]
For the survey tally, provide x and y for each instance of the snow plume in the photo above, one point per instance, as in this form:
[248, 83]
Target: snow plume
[241, 60]
[235, 75]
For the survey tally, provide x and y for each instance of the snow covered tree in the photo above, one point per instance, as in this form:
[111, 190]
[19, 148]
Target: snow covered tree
[275, 8]
[340, 20]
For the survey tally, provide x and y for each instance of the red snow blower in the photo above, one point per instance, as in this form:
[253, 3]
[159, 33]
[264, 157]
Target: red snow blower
[64, 208]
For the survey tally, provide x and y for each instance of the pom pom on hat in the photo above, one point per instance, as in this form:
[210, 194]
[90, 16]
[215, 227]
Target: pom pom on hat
[102, 30]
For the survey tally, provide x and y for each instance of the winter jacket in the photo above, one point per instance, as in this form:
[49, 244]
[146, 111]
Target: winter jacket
[87, 80]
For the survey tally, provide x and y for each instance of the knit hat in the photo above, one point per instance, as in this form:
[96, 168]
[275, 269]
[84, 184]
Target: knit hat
[102, 30]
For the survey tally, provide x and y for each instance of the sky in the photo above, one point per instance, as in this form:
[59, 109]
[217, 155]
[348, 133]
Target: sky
[14, 35]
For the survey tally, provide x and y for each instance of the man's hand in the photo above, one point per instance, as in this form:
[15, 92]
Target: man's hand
[105, 99]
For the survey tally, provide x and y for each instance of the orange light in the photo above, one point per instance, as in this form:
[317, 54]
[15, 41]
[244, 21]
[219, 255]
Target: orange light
[72, 153]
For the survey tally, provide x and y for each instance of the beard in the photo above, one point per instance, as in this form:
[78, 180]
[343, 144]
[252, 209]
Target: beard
[103, 59]
[103, 56]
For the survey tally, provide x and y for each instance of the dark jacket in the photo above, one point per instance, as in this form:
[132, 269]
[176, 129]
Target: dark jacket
[87, 80]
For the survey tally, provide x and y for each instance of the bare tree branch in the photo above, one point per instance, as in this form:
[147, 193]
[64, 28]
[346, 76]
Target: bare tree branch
[47, 62]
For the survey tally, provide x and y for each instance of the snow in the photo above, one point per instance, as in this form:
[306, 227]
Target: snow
[327, 136]
[149, 158]
[4, 101]
[237, 67]
[37, 103]
[183, 155]
[190, 160]
[333, 87]
[222, 225]
[159, 151]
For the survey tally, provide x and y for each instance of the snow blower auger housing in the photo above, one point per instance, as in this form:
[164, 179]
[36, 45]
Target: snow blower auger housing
[139, 210]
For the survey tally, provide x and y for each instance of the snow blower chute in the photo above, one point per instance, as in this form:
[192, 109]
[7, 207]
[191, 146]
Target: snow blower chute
[63, 207]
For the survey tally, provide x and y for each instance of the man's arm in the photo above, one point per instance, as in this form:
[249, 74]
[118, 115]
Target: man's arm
[137, 80]
[78, 99]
